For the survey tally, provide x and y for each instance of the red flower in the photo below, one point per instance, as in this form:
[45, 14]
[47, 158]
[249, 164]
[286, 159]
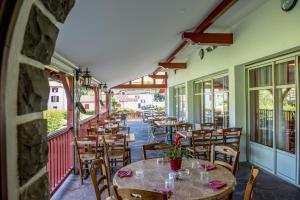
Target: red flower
[177, 141]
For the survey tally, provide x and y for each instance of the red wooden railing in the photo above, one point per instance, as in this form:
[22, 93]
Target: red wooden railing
[60, 157]
[61, 153]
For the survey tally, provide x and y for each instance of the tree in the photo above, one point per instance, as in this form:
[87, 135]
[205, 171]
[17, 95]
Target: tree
[159, 97]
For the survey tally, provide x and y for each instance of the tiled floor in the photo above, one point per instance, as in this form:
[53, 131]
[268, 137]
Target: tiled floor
[268, 187]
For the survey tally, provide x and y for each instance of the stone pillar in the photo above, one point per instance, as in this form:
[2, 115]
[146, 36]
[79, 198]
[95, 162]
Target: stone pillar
[29, 49]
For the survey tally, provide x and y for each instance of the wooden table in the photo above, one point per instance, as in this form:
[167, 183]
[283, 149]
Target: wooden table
[167, 124]
[187, 188]
[129, 138]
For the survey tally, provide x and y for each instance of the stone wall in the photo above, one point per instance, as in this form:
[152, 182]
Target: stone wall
[30, 48]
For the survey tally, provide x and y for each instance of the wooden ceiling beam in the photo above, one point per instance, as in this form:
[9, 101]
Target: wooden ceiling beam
[205, 24]
[141, 86]
[169, 65]
[219, 39]
[158, 76]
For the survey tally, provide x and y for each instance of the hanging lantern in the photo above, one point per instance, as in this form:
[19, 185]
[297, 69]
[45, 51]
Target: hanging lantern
[105, 88]
[87, 78]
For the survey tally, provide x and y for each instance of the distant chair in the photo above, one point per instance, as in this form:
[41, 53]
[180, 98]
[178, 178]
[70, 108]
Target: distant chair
[99, 176]
[91, 131]
[225, 156]
[117, 151]
[134, 194]
[209, 126]
[157, 147]
[201, 142]
[183, 127]
[232, 137]
[87, 151]
[251, 184]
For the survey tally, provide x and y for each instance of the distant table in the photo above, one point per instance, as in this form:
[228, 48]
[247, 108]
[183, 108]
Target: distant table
[187, 188]
[167, 124]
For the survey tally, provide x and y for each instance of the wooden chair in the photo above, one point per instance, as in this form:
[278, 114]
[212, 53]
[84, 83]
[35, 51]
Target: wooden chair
[91, 131]
[87, 151]
[98, 168]
[116, 152]
[209, 126]
[251, 184]
[153, 147]
[135, 194]
[201, 142]
[231, 137]
[230, 157]
[183, 127]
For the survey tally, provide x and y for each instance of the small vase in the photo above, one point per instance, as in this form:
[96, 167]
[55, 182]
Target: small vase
[175, 164]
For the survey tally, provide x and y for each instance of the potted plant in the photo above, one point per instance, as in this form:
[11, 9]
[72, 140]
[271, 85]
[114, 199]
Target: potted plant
[175, 154]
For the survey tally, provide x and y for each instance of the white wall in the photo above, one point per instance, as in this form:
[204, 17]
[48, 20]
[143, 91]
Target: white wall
[266, 31]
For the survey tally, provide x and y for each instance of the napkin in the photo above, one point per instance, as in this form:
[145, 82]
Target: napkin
[216, 184]
[125, 173]
[209, 167]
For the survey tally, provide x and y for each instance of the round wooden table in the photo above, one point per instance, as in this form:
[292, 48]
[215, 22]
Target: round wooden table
[189, 187]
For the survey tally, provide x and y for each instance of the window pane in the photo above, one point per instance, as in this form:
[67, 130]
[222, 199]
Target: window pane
[208, 107]
[197, 88]
[197, 109]
[207, 86]
[285, 73]
[285, 125]
[219, 85]
[221, 114]
[261, 117]
[261, 77]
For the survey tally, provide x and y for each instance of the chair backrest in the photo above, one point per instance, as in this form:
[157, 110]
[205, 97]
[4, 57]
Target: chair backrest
[201, 138]
[251, 184]
[136, 194]
[99, 176]
[209, 126]
[123, 129]
[87, 145]
[228, 155]
[172, 118]
[118, 146]
[183, 126]
[91, 131]
[232, 137]
[153, 147]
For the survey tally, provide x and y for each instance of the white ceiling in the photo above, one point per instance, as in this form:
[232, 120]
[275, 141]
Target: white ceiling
[120, 40]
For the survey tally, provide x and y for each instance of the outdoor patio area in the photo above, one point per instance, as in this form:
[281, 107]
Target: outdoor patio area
[267, 187]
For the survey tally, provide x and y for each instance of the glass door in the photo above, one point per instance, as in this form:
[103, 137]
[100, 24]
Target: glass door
[272, 117]
[285, 121]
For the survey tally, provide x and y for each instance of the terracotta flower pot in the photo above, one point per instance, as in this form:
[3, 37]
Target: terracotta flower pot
[175, 164]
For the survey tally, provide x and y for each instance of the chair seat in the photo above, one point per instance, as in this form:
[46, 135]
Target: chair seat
[87, 157]
[116, 155]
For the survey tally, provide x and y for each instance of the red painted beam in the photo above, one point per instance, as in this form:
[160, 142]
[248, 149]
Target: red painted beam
[140, 86]
[158, 76]
[169, 65]
[222, 39]
[205, 24]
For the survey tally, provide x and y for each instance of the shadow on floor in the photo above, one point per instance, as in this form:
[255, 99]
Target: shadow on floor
[268, 186]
